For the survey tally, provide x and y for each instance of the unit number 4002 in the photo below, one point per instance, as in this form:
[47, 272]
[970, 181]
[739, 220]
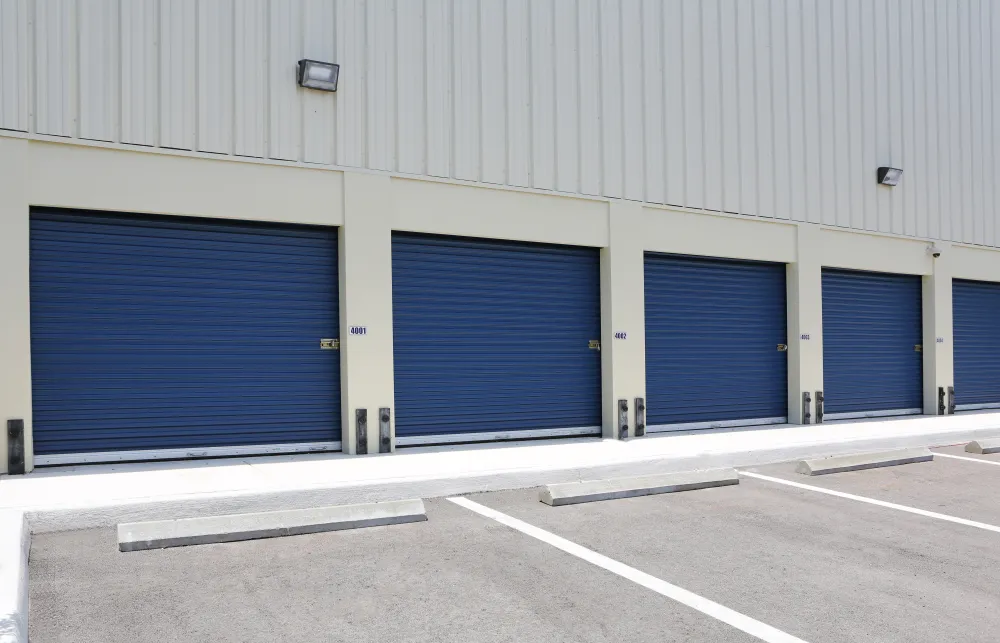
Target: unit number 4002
[621, 335]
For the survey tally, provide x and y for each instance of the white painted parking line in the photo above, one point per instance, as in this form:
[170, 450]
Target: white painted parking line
[962, 457]
[710, 608]
[873, 501]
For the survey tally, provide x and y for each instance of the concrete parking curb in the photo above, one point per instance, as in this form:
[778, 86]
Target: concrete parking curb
[983, 447]
[232, 528]
[15, 543]
[861, 461]
[591, 491]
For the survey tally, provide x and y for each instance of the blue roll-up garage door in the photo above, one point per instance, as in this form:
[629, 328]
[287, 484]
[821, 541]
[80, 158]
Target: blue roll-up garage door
[490, 339]
[173, 337]
[715, 339]
[976, 310]
[872, 334]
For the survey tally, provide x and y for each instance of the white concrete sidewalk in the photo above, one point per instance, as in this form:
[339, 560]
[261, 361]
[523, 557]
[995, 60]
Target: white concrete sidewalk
[96, 495]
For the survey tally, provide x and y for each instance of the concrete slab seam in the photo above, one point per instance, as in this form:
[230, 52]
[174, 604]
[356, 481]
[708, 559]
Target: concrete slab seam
[710, 608]
[873, 501]
[15, 545]
[858, 462]
[252, 526]
[570, 493]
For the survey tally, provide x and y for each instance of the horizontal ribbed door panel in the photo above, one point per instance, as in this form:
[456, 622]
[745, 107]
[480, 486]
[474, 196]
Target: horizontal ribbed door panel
[153, 333]
[872, 323]
[713, 330]
[976, 310]
[491, 337]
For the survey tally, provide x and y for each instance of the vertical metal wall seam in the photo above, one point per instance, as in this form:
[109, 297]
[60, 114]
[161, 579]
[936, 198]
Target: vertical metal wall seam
[530, 124]
[722, 111]
[74, 76]
[197, 73]
[663, 103]
[266, 80]
[555, 101]
[32, 65]
[990, 236]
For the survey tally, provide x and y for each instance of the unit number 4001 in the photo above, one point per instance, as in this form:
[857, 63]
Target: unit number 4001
[359, 330]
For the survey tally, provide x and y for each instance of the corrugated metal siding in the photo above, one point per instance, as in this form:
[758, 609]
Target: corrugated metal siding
[712, 333]
[976, 307]
[774, 108]
[151, 333]
[872, 323]
[493, 337]
[14, 65]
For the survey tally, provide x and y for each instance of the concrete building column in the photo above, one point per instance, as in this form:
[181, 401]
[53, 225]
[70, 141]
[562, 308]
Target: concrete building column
[366, 363]
[15, 320]
[805, 322]
[938, 346]
[623, 316]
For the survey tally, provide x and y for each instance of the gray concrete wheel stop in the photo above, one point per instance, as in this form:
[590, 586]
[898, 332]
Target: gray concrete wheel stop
[983, 447]
[590, 491]
[222, 529]
[858, 462]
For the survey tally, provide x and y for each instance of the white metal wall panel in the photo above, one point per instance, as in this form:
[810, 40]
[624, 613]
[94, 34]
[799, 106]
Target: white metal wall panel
[543, 101]
[633, 186]
[14, 65]
[250, 77]
[215, 76]
[653, 99]
[55, 44]
[140, 101]
[319, 123]
[284, 106]
[493, 57]
[771, 108]
[177, 79]
[382, 84]
[465, 59]
[517, 29]
[589, 39]
[439, 87]
[610, 94]
[351, 36]
[98, 64]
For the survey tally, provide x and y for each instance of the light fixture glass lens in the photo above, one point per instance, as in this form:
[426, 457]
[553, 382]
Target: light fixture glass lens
[318, 75]
[321, 73]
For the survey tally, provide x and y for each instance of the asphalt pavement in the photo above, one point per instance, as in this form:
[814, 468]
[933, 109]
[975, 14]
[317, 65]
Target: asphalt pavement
[762, 560]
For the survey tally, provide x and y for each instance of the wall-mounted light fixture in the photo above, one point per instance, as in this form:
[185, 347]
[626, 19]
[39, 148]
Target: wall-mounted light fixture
[889, 176]
[318, 75]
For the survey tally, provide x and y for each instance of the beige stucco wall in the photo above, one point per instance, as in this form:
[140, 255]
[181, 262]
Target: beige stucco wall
[368, 206]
